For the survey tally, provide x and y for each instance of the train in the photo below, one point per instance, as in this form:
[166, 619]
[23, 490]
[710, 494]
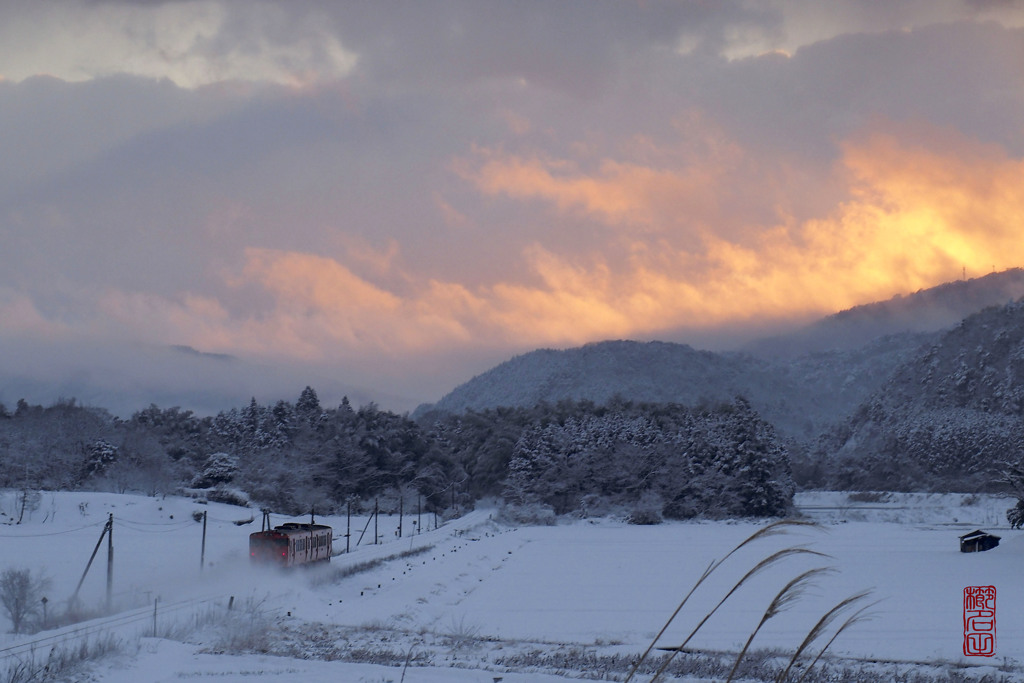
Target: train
[291, 544]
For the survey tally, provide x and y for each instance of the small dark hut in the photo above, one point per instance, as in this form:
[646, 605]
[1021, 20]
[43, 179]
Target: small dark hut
[978, 540]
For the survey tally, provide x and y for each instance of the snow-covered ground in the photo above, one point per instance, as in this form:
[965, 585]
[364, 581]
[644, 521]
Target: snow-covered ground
[470, 600]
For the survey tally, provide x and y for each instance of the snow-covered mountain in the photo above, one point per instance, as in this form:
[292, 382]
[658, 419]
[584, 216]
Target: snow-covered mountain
[953, 412]
[802, 383]
[799, 397]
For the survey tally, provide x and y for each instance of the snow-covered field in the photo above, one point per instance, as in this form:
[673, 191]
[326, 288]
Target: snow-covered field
[475, 600]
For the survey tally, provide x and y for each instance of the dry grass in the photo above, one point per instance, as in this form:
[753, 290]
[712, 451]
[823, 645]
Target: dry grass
[787, 596]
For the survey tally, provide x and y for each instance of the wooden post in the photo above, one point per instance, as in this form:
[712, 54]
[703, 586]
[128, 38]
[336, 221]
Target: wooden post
[348, 526]
[401, 512]
[419, 510]
[376, 511]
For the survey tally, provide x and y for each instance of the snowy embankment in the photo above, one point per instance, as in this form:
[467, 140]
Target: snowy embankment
[486, 598]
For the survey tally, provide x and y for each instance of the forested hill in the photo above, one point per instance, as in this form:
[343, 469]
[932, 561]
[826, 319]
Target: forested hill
[949, 418]
[800, 398]
[654, 372]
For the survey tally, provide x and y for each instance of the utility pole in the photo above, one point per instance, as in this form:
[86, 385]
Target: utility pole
[110, 561]
[202, 553]
[106, 529]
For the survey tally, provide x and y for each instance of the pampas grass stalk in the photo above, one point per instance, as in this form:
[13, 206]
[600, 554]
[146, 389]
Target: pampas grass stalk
[757, 569]
[785, 597]
[859, 615]
[773, 529]
[819, 628]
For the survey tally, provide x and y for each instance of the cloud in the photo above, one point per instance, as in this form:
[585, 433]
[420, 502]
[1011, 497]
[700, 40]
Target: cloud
[23, 319]
[483, 179]
[923, 203]
[192, 43]
[921, 207]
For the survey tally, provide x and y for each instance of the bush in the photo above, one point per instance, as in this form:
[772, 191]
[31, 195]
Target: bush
[221, 494]
[530, 514]
[647, 510]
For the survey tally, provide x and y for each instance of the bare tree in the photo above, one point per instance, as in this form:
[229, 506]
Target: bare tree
[28, 499]
[21, 595]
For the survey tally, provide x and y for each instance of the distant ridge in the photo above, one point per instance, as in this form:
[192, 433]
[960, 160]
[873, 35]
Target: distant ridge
[641, 371]
[927, 310]
[802, 383]
[191, 351]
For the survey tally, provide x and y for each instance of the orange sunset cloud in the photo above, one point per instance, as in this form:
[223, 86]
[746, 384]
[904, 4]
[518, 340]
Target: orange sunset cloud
[913, 218]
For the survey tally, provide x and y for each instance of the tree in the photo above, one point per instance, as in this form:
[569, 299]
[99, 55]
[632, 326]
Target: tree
[220, 469]
[20, 595]
[308, 406]
[28, 499]
[1013, 477]
[1015, 515]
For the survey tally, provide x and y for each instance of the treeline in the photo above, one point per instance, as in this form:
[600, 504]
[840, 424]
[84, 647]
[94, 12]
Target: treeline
[654, 459]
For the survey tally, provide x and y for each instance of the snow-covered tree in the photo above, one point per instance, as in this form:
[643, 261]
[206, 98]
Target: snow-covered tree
[220, 469]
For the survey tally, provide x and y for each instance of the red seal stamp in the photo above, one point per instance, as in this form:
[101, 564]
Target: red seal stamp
[980, 621]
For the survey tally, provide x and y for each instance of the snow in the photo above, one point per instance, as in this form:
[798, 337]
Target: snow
[474, 590]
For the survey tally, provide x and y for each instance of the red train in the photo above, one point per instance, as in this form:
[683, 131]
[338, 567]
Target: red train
[291, 544]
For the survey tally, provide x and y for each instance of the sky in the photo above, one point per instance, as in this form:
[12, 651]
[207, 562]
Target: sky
[207, 200]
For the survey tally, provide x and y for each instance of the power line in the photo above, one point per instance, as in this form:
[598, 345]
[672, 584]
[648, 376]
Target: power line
[124, 619]
[131, 525]
[53, 533]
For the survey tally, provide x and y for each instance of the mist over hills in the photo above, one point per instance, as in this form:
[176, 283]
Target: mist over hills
[926, 310]
[804, 383]
[127, 379]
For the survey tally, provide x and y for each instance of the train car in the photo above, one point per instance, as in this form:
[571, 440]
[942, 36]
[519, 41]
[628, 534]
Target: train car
[291, 544]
